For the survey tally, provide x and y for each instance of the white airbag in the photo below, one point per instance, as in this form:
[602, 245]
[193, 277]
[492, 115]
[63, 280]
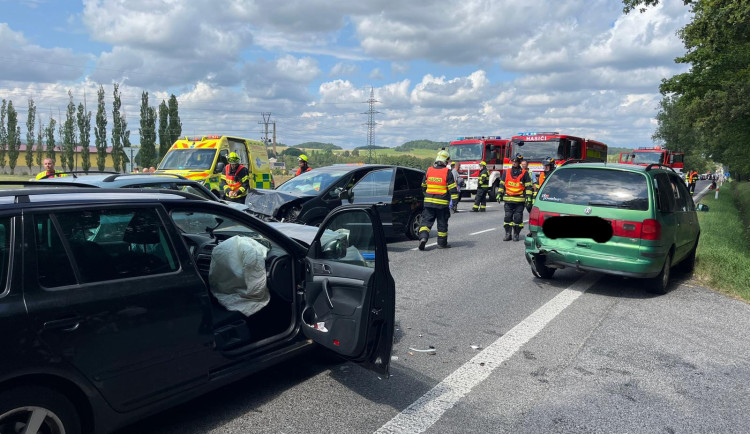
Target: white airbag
[238, 275]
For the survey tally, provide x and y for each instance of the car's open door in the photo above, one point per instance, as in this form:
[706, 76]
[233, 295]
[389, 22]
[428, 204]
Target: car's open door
[349, 302]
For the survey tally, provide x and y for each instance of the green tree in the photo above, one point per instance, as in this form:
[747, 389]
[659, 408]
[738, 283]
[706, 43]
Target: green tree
[14, 137]
[3, 135]
[125, 140]
[50, 135]
[147, 131]
[117, 129]
[40, 144]
[30, 123]
[175, 125]
[69, 135]
[163, 129]
[83, 119]
[100, 132]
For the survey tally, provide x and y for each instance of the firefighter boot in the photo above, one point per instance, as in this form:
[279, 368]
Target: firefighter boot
[422, 243]
[442, 243]
[507, 233]
[516, 233]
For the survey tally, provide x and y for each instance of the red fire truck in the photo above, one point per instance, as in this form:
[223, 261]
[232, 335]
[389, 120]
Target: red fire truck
[537, 146]
[468, 152]
[644, 156]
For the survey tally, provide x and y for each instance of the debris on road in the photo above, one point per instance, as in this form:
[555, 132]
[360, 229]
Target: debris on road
[476, 346]
[431, 350]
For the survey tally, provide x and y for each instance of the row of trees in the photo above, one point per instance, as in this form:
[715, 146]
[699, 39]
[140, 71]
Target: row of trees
[318, 158]
[705, 112]
[74, 133]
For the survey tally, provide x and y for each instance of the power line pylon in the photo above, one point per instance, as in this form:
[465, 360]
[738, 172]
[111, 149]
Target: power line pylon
[371, 122]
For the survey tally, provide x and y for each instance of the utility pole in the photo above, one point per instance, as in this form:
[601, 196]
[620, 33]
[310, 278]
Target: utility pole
[266, 121]
[370, 122]
[274, 139]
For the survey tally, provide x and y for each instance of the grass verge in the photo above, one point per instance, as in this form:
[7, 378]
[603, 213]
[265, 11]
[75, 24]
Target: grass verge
[723, 257]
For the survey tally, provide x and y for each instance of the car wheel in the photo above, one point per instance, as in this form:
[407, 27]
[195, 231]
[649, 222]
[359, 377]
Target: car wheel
[660, 283]
[688, 264]
[542, 270]
[37, 410]
[412, 227]
[493, 192]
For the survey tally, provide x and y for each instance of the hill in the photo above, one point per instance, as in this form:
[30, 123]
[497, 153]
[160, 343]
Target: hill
[319, 145]
[420, 144]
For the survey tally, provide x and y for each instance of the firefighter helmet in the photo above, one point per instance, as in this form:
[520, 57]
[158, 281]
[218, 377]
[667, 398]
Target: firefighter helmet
[233, 158]
[442, 156]
[549, 161]
[303, 157]
[518, 157]
[483, 163]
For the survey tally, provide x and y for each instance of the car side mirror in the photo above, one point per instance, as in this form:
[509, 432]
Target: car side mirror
[702, 207]
[219, 167]
[335, 248]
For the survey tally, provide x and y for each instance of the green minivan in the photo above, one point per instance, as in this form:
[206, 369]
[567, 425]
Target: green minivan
[653, 221]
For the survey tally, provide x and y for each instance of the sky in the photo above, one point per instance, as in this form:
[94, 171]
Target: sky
[438, 69]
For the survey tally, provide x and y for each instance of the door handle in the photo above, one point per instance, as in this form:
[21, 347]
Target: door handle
[327, 293]
[68, 324]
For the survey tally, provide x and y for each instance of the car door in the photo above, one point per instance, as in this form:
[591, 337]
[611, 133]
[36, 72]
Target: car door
[107, 295]
[349, 298]
[684, 232]
[689, 220]
[377, 188]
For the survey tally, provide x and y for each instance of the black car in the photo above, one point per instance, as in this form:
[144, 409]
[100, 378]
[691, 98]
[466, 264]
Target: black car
[110, 309]
[309, 197]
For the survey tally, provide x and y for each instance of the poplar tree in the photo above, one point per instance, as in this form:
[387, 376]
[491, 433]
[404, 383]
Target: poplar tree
[124, 139]
[69, 135]
[163, 129]
[175, 126]
[84, 134]
[14, 137]
[100, 132]
[117, 129]
[3, 135]
[40, 144]
[30, 123]
[50, 135]
[147, 131]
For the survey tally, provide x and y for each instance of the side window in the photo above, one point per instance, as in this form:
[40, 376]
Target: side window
[575, 149]
[375, 183]
[349, 238]
[400, 184]
[240, 149]
[664, 193]
[117, 243]
[687, 203]
[53, 266]
[679, 192]
[415, 178]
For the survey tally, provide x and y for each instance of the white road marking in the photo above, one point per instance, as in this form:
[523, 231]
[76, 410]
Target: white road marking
[426, 246]
[429, 408]
[481, 232]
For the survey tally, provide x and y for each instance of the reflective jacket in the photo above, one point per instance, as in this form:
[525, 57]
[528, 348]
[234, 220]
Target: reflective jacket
[300, 171]
[439, 187]
[45, 175]
[515, 188]
[484, 178]
[238, 179]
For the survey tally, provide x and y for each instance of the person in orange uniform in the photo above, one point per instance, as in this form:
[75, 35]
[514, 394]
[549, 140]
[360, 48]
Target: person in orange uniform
[515, 190]
[439, 188]
[549, 166]
[692, 179]
[303, 167]
[236, 180]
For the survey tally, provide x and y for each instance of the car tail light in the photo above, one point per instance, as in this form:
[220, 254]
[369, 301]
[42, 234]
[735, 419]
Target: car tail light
[534, 217]
[651, 230]
[626, 229]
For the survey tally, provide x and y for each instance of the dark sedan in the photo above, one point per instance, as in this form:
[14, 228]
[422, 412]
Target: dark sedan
[308, 198]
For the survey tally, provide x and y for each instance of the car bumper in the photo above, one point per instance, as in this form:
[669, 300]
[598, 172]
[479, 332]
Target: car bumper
[649, 264]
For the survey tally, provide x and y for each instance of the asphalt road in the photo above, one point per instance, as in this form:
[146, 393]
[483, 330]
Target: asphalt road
[579, 353]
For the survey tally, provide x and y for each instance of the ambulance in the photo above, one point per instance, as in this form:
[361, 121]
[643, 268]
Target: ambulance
[204, 158]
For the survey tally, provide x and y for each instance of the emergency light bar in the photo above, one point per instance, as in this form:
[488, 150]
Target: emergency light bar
[480, 138]
[529, 133]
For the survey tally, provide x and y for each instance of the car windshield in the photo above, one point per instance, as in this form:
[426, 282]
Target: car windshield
[313, 182]
[466, 152]
[597, 187]
[538, 151]
[188, 159]
[652, 157]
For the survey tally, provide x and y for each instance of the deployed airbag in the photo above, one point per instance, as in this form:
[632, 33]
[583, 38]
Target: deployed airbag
[238, 275]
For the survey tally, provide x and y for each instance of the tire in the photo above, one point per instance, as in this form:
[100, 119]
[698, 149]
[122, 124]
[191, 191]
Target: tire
[413, 225]
[660, 283]
[21, 404]
[688, 264]
[493, 192]
[544, 271]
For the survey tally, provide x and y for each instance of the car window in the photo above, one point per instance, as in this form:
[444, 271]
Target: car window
[104, 245]
[415, 178]
[239, 147]
[664, 193]
[597, 187]
[400, 183]
[174, 186]
[221, 226]
[312, 182]
[683, 199]
[5, 234]
[349, 238]
[375, 183]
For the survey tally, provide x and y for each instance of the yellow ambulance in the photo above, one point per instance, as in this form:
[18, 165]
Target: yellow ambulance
[204, 158]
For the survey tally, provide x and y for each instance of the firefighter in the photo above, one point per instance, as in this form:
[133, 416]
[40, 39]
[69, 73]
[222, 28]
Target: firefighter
[49, 170]
[439, 188]
[303, 167]
[515, 190]
[692, 179]
[483, 184]
[454, 171]
[549, 166]
[236, 180]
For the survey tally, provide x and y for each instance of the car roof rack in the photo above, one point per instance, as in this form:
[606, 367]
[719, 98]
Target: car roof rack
[118, 175]
[46, 184]
[22, 195]
[661, 166]
[75, 173]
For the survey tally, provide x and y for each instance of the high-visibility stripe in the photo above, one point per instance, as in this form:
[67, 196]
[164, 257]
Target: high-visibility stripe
[436, 201]
[442, 234]
[519, 199]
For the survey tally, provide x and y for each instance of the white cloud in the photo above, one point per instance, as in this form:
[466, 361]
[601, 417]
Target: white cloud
[343, 69]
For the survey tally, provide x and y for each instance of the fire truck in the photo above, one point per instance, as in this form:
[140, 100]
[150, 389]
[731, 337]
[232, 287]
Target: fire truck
[644, 156]
[468, 152]
[537, 146]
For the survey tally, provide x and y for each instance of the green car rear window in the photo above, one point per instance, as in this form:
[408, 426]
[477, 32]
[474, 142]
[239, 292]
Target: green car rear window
[597, 187]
